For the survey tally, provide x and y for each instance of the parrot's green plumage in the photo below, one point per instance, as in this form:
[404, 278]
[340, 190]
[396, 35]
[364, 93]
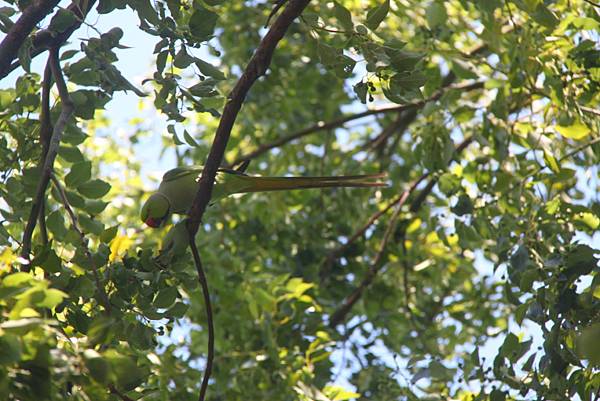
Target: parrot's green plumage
[178, 188]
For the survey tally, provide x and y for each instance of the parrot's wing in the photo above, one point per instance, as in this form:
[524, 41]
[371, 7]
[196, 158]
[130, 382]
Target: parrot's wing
[178, 172]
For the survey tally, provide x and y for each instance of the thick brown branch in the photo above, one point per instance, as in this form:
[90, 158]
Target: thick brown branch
[47, 167]
[322, 126]
[257, 67]
[14, 39]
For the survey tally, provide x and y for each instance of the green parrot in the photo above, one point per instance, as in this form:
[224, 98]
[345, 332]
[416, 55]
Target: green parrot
[178, 188]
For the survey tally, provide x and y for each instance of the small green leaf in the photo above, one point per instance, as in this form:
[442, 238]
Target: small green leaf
[545, 17]
[376, 15]
[463, 206]
[62, 20]
[361, 90]
[209, 70]
[80, 173]
[436, 14]
[56, 223]
[108, 234]
[202, 23]
[576, 131]
[165, 298]
[343, 16]
[97, 366]
[94, 189]
[70, 154]
[178, 310]
[188, 138]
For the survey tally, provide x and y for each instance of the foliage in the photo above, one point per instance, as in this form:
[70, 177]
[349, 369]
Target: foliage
[482, 284]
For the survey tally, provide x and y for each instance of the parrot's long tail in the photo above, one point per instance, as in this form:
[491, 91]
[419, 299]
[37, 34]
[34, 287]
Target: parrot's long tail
[259, 184]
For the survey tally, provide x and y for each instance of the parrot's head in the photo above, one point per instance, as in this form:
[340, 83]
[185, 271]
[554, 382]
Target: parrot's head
[156, 210]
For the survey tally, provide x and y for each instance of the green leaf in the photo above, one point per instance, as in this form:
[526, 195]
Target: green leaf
[182, 59]
[178, 310]
[497, 395]
[361, 89]
[376, 15]
[52, 297]
[202, 23]
[80, 173]
[209, 70]
[165, 297]
[463, 206]
[94, 189]
[97, 366]
[56, 223]
[51, 263]
[338, 393]
[576, 131]
[10, 349]
[436, 14]
[188, 138]
[109, 233]
[545, 17]
[70, 154]
[343, 16]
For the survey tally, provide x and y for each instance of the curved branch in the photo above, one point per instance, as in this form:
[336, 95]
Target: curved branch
[47, 167]
[14, 39]
[257, 66]
[322, 126]
[340, 313]
[209, 318]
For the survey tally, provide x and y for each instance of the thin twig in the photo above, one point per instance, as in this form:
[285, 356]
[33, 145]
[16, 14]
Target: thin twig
[322, 126]
[45, 136]
[75, 224]
[48, 166]
[340, 313]
[590, 110]
[334, 254]
[209, 318]
[595, 5]
[18, 33]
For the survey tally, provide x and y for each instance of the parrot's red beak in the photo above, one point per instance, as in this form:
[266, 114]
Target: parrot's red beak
[154, 223]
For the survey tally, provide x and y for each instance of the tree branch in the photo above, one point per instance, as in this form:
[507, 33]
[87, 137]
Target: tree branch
[75, 224]
[47, 167]
[45, 38]
[209, 319]
[340, 313]
[337, 252]
[14, 39]
[45, 135]
[257, 67]
[322, 126]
